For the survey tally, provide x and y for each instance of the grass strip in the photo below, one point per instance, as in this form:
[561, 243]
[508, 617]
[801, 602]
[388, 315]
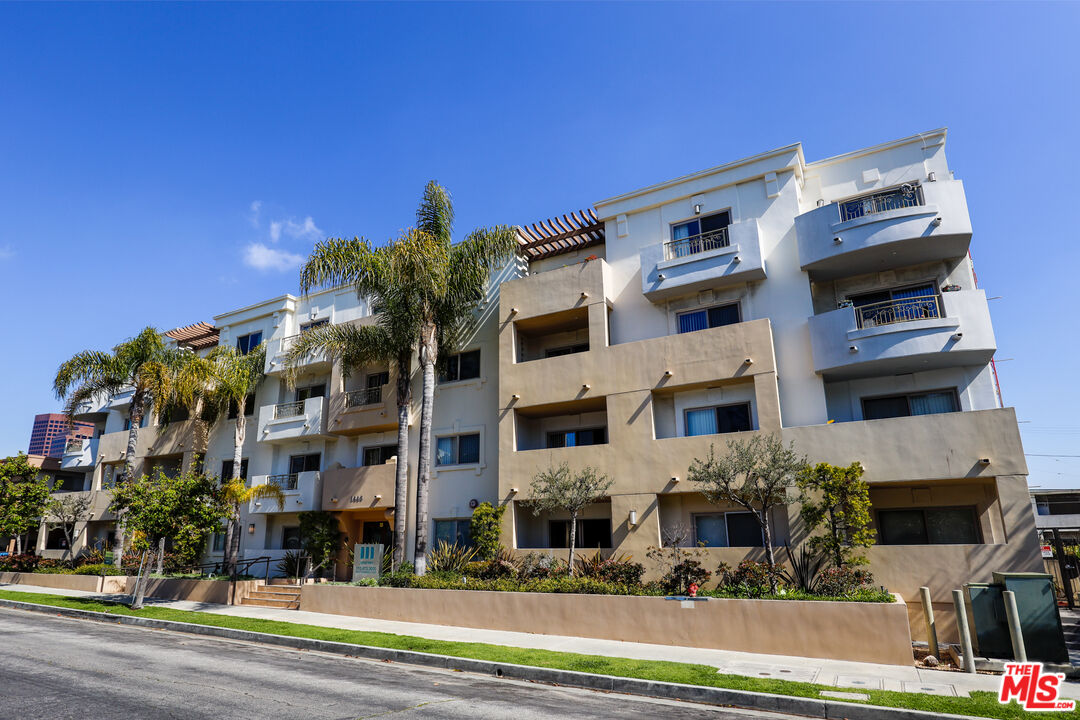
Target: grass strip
[980, 704]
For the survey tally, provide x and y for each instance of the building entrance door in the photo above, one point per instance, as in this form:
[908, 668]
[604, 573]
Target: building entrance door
[375, 532]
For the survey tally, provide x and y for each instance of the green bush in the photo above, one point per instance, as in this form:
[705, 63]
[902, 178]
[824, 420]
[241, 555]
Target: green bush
[843, 581]
[450, 558]
[538, 566]
[485, 528]
[748, 579]
[618, 570]
[97, 569]
[677, 580]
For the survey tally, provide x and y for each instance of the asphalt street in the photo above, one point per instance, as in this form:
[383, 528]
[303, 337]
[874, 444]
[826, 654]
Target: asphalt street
[53, 667]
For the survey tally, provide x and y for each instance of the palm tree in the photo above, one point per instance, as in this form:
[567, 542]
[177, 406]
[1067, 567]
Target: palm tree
[389, 341]
[234, 376]
[139, 364]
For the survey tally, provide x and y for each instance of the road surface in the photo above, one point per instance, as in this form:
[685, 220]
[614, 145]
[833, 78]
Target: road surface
[52, 667]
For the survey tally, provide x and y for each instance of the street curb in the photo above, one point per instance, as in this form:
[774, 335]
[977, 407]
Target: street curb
[809, 707]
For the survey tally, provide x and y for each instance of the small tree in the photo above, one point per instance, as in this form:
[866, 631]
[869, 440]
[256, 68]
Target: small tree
[838, 499]
[321, 536]
[678, 560]
[161, 506]
[68, 510]
[557, 488]
[24, 493]
[756, 475]
[485, 528]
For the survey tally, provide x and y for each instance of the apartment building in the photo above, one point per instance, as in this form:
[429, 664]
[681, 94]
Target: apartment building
[832, 302]
[52, 431]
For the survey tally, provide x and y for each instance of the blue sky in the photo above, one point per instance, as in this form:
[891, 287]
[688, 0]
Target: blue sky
[163, 163]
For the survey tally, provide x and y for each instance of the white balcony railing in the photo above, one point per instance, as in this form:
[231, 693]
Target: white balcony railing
[905, 196]
[685, 247]
[899, 310]
[359, 398]
[289, 409]
[286, 481]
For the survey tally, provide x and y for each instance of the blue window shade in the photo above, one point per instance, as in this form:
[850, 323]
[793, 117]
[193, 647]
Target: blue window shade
[710, 531]
[689, 322]
[444, 451]
[469, 449]
[930, 403]
[685, 230]
[701, 422]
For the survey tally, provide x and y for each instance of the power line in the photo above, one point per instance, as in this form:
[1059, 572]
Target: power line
[1046, 455]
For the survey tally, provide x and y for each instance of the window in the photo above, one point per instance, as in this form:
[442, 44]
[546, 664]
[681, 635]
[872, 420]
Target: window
[710, 318]
[175, 414]
[453, 532]
[311, 391]
[218, 542]
[721, 419]
[304, 463]
[67, 482]
[247, 343]
[591, 533]
[575, 438]
[227, 469]
[290, 539]
[698, 235]
[377, 380]
[463, 366]
[458, 450]
[56, 539]
[249, 407]
[928, 403]
[916, 302]
[567, 350]
[379, 455]
[929, 526]
[313, 324]
[733, 529]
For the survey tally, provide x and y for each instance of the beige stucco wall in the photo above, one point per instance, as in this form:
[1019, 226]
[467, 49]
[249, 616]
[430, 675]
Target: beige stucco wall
[209, 591]
[834, 630]
[85, 583]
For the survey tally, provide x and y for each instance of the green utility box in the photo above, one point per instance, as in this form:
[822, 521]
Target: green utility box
[1040, 621]
[986, 618]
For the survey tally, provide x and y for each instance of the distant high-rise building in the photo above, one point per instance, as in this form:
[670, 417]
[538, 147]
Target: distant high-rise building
[51, 433]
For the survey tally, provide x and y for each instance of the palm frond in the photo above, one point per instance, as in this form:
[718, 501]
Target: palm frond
[435, 216]
[352, 345]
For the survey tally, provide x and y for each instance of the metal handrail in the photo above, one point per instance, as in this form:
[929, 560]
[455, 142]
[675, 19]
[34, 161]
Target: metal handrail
[908, 195]
[898, 310]
[367, 396]
[289, 409]
[286, 481]
[684, 247]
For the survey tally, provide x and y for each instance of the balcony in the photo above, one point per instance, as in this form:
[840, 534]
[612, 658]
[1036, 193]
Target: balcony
[303, 492]
[902, 226]
[80, 453]
[359, 488]
[277, 348]
[728, 256]
[303, 419]
[363, 411]
[554, 291]
[902, 336]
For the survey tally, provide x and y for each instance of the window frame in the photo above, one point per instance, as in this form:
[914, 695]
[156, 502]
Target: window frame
[973, 509]
[381, 448]
[749, 415]
[466, 536]
[727, 303]
[578, 544]
[907, 398]
[592, 429]
[727, 527]
[247, 347]
[243, 469]
[698, 219]
[455, 361]
[457, 449]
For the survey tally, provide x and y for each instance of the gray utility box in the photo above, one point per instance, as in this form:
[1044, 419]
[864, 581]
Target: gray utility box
[986, 618]
[1040, 621]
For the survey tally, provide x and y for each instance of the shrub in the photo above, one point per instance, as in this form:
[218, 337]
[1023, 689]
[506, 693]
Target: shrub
[19, 563]
[619, 570]
[292, 564]
[677, 580]
[485, 528]
[749, 578]
[502, 565]
[450, 558]
[96, 569]
[538, 566]
[843, 581]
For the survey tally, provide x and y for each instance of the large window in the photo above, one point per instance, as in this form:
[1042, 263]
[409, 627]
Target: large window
[379, 454]
[927, 403]
[458, 449]
[574, 438]
[591, 533]
[699, 235]
[291, 539]
[709, 318]
[304, 463]
[453, 532]
[313, 324]
[929, 526]
[227, 469]
[247, 343]
[311, 391]
[463, 366]
[884, 307]
[733, 529]
[218, 541]
[68, 482]
[566, 350]
[720, 419]
[249, 407]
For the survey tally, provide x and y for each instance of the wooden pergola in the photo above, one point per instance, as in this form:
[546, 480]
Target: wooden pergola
[556, 236]
[197, 337]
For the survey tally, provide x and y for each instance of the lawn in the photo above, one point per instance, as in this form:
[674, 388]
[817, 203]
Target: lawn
[980, 704]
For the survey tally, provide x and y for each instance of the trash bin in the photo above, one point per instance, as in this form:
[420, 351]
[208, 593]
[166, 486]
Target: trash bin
[1040, 621]
[986, 618]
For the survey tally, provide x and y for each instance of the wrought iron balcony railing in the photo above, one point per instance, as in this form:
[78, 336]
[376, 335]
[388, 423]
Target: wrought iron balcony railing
[289, 409]
[899, 310]
[685, 247]
[907, 195]
[286, 481]
[359, 398]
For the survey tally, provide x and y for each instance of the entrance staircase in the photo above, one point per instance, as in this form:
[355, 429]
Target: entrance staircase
[286, 597]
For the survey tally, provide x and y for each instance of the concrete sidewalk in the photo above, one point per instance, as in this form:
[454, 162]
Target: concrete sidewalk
[850, 676]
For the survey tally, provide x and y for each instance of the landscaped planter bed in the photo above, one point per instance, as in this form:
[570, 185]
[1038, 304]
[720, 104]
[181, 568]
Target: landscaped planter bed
[85, 583]
[822, 629]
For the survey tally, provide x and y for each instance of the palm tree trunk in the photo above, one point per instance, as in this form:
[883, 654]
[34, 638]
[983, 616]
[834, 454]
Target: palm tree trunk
[401, 475]
[232, 535]
[573, 540]
[136, 415]
[429, 349]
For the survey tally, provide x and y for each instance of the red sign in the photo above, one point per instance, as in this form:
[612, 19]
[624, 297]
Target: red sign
[1047, 552]
[1034, 689]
